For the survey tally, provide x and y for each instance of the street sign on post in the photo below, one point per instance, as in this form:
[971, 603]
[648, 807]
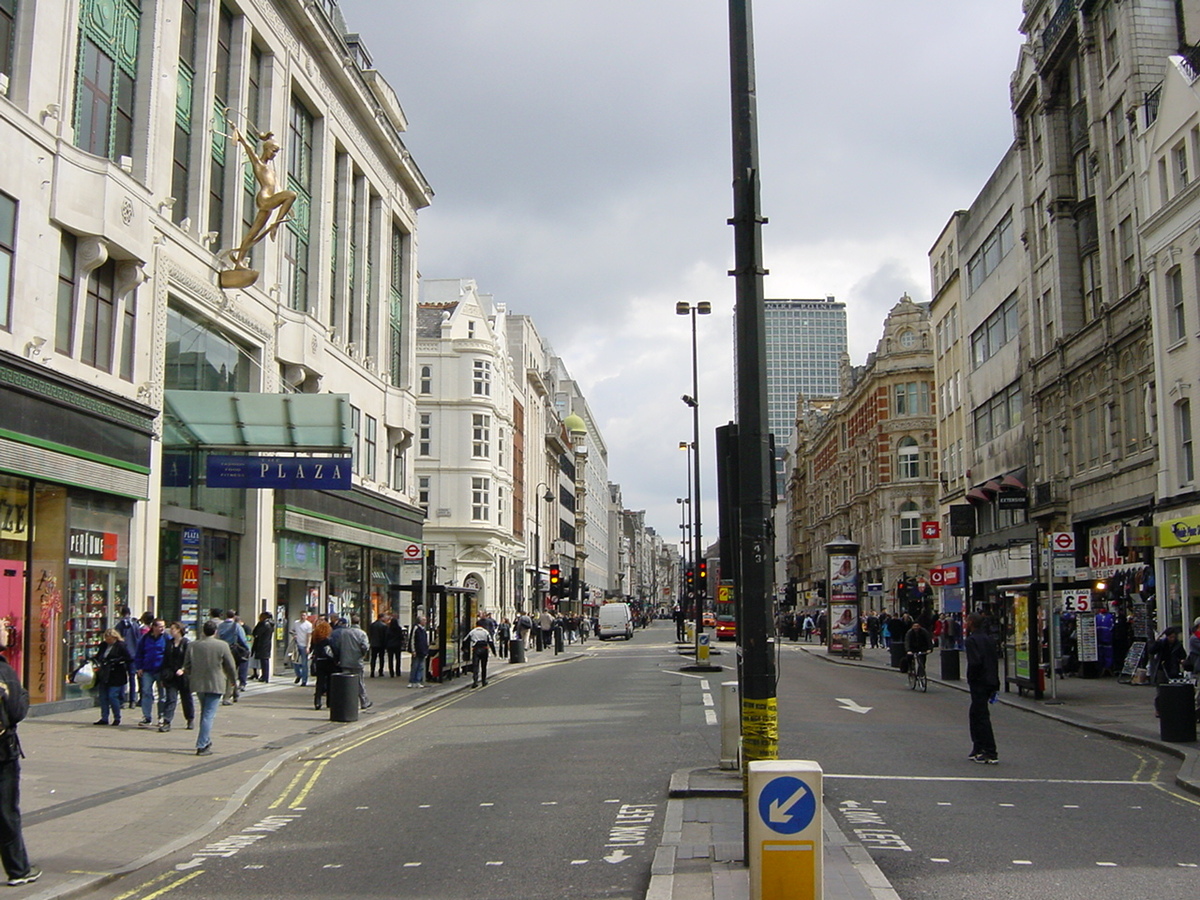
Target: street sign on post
[785, 839]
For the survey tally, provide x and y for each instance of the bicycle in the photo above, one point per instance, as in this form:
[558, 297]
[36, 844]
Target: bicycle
[916, 671]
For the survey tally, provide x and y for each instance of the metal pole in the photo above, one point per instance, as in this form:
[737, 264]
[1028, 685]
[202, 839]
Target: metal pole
[699, 552]
[756, 550]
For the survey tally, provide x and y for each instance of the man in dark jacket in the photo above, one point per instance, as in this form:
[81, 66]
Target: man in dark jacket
[14, 704]
[983, 679]
[417, 653]
[377, 638]
[131, 633]
[148, 661]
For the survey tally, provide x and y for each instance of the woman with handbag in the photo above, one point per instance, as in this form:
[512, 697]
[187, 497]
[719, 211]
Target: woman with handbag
[324, 659]
[112, 664]
[175, 679]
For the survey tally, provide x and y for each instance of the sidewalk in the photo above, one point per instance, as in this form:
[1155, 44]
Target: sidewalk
[701, 856]
[99, 802]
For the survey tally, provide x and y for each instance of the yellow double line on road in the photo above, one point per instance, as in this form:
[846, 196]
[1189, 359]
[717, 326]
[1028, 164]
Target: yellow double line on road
[313, 768]
[157, 880]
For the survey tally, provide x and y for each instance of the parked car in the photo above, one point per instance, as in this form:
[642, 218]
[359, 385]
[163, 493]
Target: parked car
[726, 628]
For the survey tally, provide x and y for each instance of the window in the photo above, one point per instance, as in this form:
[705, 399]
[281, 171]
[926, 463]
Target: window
[997, 330]
[299, 180]
[396, 309]
[481, 429]
[912, 399]
[910, 525]
[1183, 414]
[1000, 413]
[221, 97]
[254, 81]
[1176, 319]
[1126, 249]
[64, 325]
[1035, 139]
[425, 434]
[1118, 131]
[8, 15]
[483, 378]
[105, 76]
[399, 469]
[8, 250]
[185, 84]
[1093, 294]
[910, 458]
[480, 494]
[995, 247]
[423, 492]
[369, 447]
[356, 427]
[200, 358]
[128, 321]
[426, 379]
[1179, 163]
[98, 318]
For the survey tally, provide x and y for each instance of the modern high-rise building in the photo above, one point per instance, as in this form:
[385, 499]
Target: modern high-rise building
[805, 343]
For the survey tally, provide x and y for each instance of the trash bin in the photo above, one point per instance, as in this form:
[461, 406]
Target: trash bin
[343, 697]
[1176, 704]
[516, 651]
[950, 665]
[897, 650]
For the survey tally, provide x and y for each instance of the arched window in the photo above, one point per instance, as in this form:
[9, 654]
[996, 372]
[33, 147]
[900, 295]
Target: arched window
[910, 458]
[426, 379]
[910, 525]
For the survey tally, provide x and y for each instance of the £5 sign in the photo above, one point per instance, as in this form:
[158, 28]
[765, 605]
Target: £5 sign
[1077, 601]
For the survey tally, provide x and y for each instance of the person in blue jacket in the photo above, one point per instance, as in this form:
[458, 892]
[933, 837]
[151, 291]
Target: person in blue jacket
[149, 662]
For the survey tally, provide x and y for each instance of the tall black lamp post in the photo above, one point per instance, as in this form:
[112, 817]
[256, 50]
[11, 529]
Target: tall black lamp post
[703, 308]
[537, 544]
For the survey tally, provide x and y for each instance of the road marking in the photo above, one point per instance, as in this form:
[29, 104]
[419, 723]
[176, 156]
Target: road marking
[253, 867]
[1189, 865]
[612, 801]
[580, 862]
[617, 856]
[411, 865]
[555, 802]
[1022, 862]
[494, 862]
[362, 807]
[287, 790]
[710, 717]
[1070, 806]
[487, 804]
[173, 885]
[943, 803]
[706, 699]
[155, 880]
[332, 866]
[1110, 864]
[968, 778]
[1007, 804]
[938, 860]
[425, 806]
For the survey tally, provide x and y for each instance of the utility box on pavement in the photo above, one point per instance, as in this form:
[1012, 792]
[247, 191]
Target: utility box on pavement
[703, 648]
[785, 838]
[343, 697]
[731, 725]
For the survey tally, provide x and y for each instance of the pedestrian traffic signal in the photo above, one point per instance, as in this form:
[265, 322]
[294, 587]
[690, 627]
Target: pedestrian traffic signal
[555, 581]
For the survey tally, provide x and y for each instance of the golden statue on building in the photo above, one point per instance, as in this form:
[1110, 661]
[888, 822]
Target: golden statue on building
[271, 200]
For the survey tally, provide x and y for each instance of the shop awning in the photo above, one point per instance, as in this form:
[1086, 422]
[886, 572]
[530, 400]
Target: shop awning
[216, 420]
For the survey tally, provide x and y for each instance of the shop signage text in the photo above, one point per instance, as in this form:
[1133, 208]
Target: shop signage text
[1180, 532]
[331, 473]
[93, 546]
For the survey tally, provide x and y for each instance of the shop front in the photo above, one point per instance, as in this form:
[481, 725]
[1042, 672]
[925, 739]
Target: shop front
[1179, 562]
[1002, 589]
[68, 560]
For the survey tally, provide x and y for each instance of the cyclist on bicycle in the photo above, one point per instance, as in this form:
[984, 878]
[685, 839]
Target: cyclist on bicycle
[918, 642]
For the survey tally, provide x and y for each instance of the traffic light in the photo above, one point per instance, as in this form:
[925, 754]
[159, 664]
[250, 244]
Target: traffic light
[555, 581]
[702, 581]
[691, 578]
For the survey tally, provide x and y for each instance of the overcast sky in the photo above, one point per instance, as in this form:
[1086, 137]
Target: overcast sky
[580, 156]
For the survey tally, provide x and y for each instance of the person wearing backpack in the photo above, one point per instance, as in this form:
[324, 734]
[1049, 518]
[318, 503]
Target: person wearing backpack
[130, 630]
[14, 704]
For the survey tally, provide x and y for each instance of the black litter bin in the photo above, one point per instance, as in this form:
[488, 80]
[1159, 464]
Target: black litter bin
[897, 650]
[343, 697]
[950, 665]
[516, 651]
[1176, 704]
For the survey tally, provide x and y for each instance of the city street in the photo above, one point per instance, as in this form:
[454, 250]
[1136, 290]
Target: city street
[550, 782]
[1066, 813]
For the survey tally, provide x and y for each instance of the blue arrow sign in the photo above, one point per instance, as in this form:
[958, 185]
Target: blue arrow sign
[787, 805]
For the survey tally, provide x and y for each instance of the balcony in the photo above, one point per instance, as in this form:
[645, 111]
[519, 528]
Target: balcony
[1063, 17]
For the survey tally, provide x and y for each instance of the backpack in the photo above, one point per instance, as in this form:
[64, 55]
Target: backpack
[10, 746]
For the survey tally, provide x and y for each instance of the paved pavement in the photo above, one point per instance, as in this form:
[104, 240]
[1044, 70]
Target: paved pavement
[701, 856]
[99, 802]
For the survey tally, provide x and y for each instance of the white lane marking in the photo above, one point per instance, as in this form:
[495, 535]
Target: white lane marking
[943, 803]
[938, 860]
[411, 865]
[852, 706]
[617, 856]
[1007, 804]
[1022, 862]
[579, 862]
[362, 807]
[425, 806]
[494, 862]
[555, 802]
[704, 685]
[253, 867]
[881, 802]
[1189, 865]
[684, 674]
[710, 717]
[487, 804]
[612, 801]
[332, 866]
[706, 699]
[1070, 806]
[1111, 864]
[965, 778]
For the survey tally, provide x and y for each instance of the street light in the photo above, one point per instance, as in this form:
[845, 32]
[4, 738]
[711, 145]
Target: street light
[537, 541]
[703, 308]
[685, 540]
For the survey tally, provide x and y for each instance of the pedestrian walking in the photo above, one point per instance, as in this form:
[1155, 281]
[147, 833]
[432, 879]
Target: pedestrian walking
[113, 665]
[324, 660]
[148, 662]
[480, 645]
[131, 633]
[393, 645]
[353, 649]
[209, 668]
[302, 630]
[417, 651]
[377, 638]
[232, 633]
[14, 704]
[174, 679]
[983, 679]
[262, 644]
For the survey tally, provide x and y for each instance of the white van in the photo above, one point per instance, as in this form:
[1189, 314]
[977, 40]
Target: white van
[616, 620]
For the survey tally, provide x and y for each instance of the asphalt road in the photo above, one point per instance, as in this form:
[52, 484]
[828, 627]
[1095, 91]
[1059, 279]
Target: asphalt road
[1066, 814]
[549, 783]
